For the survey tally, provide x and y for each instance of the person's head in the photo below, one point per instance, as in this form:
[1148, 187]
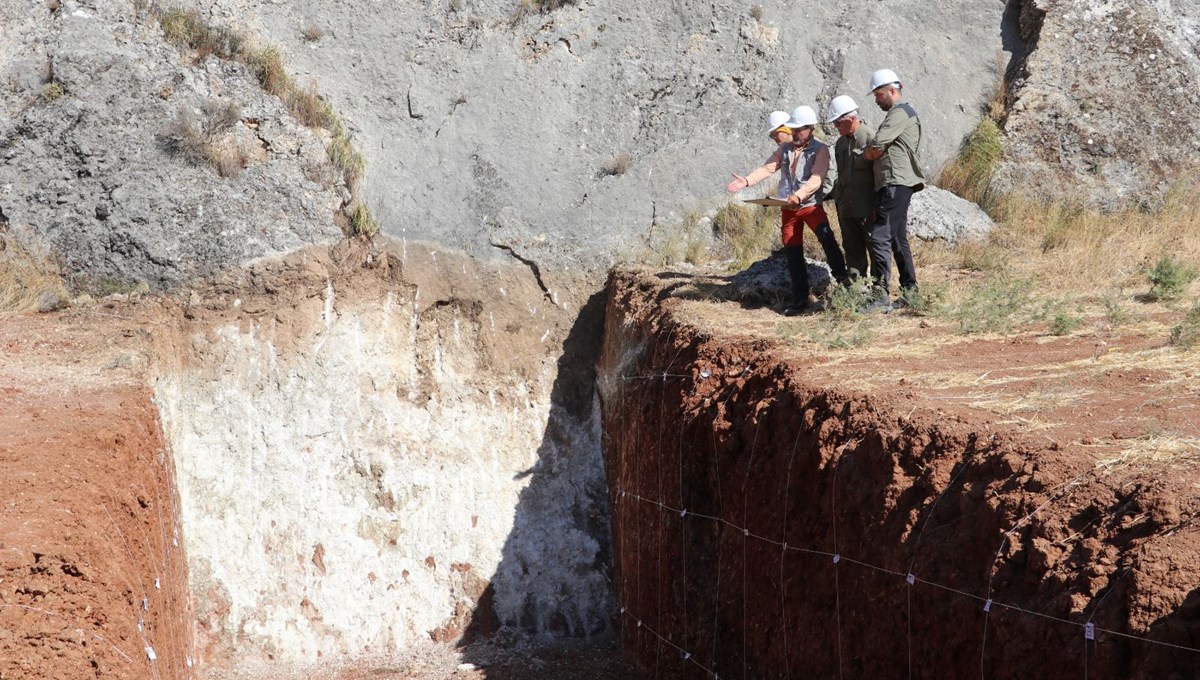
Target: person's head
[802, 122]
[886, 88]
[843, 114]
[777, 127]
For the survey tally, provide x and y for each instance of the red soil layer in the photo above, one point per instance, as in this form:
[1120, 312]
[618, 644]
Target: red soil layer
[740, 440]
[91, 572]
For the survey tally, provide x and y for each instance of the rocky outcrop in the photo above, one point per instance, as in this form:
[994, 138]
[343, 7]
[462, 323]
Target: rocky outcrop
[489, 126]
[96, 101]
[1103, 108]
[938, 215]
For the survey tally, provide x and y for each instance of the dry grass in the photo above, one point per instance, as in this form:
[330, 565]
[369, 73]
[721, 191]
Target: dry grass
[204, 138]
[618, 166]
[187, 29]
[312, 33]
[27, 282]
[748, 233]
[1157, 450]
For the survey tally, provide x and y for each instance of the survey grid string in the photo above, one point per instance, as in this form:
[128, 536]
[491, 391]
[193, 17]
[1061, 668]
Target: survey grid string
[912, 579]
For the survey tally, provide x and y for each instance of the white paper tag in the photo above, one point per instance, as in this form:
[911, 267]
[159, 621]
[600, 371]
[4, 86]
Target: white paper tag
[150, 654]
[837, 558]
[987, 606]
[1089, 631]
[911, 579]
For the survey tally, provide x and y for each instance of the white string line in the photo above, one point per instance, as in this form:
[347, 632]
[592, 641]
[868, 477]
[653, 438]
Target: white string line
[787, 489]
[1066, 487]
[916, 579]
[916, 544]
[687, 656]
[837, 588]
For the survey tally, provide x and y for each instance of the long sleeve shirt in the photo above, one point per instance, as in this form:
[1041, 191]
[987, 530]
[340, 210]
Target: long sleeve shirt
[808, 186]
[899, 137]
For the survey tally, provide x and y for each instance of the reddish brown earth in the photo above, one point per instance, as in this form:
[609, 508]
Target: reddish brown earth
[91, 574]
[897, 459]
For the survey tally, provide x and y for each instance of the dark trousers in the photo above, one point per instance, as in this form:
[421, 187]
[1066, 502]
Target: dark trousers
[814, 216]
[856, 235]
[889, 238]
[798, 270]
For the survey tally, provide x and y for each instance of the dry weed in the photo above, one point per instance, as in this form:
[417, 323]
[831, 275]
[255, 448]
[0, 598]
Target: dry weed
[312, 33]
[28, 283]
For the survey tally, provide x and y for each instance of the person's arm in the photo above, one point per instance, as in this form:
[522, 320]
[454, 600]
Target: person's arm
[758, 174]
[894, 124]
[815, 180]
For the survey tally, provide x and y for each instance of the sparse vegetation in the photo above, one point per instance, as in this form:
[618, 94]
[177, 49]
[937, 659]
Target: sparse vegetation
[1186, 333]
[532, 7]
[1064, 322]
[757, 12]
[52, 92]
[186, 29]
[992, 307]
[618, 166]
[54, 6]
[749, 233]
[203, 138]
[1169, 278]
[27, 282]
[312, 33]
[970, 174]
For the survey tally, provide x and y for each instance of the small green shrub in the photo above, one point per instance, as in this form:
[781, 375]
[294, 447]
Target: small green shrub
[970, 174]
[927, 300]
[1115, 312]
[1186, 333]
[1169, 278]
[992, 306]
[1064, 323]
[362, 222]
[53, 92]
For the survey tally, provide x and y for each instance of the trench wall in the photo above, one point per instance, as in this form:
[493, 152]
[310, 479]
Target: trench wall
[764, 527]
[372, 460]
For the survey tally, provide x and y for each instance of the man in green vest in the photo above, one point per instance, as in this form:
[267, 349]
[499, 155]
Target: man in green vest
[854, 187]
[898, 175]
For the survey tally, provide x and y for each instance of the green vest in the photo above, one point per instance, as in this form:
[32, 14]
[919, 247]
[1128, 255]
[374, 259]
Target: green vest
[900, 138]
[854, 187]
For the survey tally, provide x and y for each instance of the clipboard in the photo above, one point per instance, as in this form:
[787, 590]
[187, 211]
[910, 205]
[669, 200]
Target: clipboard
[771, 202]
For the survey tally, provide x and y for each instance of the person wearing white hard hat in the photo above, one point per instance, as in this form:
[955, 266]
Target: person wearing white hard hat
[894, 150]
[854, 187]
[803, 163]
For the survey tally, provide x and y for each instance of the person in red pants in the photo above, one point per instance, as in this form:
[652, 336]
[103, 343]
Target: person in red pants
[802, 162]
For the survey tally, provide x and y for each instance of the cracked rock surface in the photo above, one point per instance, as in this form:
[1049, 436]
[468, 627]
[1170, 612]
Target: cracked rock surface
[486, 128]
[91, 97]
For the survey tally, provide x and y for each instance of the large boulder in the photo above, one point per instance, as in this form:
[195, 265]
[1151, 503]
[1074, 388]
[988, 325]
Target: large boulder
[938, 215]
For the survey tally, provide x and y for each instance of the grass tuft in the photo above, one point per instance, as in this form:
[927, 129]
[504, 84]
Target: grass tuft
[993, 306]
[750, 233]
[362, 222]
[1186, 333]
[28, 283]
[1169, 278]
[618, 166]
[53, 92]
[970, 174]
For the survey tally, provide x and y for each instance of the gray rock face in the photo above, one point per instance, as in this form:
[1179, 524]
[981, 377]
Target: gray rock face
[938, 215]
[1104, 110]
[483, 130]
[91, 98]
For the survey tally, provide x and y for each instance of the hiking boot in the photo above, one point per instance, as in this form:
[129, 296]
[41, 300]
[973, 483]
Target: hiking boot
[878, 304]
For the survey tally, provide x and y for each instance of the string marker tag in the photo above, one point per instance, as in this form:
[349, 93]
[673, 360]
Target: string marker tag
[157, 585]
[687, 655]
[837, 558]
[683, 513]
[911, 579]
[987, 606]
[746, 532]
[622, 610]
[150, 654]
[785, 545]
[1089, 631]
[639, 624]
[705, 373]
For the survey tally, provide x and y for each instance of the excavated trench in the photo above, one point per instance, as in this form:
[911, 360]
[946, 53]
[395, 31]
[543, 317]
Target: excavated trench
[342, 457]
[768, 526]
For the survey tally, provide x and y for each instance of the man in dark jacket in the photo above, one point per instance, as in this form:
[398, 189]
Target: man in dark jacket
[854, 187]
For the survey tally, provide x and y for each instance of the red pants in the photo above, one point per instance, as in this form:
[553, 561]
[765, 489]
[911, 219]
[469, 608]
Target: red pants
[793, 221]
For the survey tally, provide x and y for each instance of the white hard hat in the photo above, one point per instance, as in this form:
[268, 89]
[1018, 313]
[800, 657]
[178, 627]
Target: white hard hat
[840, 106]
[776, 120]
[802, 116]
[884, 76]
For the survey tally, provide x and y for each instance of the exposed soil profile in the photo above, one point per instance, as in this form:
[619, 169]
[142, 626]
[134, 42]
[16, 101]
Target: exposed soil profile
[766, 519]
[92, 575]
